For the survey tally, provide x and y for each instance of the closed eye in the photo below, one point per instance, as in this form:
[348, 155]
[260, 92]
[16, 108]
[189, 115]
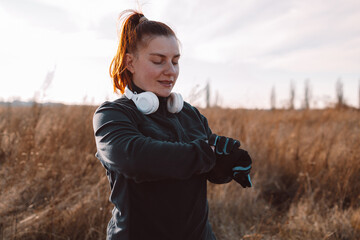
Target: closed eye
[157, 62]
[176, 60]
[161, 59]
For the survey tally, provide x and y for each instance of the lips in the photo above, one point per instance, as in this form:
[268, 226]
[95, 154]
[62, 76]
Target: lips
[166, 83]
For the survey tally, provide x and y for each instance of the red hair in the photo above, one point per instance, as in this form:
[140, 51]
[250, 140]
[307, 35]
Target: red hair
[132, 34]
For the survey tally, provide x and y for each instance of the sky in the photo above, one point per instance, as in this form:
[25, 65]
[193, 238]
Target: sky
[60, 51]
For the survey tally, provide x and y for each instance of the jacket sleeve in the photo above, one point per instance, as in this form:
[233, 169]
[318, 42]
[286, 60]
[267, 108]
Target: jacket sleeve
[214, 175]
[122, 148]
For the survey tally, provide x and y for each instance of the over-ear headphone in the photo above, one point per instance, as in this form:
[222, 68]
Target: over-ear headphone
[148, 102]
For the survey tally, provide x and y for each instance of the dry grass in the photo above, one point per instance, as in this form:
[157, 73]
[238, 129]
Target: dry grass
[306, 175]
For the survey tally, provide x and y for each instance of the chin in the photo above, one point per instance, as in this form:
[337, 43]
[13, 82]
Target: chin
[163, 93]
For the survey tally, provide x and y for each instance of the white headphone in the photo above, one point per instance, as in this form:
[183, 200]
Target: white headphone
[148, 102]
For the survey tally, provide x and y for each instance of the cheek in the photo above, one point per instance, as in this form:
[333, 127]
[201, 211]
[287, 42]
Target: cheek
[150, 71]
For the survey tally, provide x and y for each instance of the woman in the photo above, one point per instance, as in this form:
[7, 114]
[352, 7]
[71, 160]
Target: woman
[158, 151]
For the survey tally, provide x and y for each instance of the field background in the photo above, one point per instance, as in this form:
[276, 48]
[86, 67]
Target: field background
[306, 175]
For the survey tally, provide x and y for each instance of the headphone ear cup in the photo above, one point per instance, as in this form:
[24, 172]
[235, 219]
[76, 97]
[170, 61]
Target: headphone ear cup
[175, 103]
[146, 102]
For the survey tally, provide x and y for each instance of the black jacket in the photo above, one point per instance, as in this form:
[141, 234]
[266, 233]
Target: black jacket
[156, 165]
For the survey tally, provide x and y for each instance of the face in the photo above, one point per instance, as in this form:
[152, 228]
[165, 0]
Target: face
[155, 66]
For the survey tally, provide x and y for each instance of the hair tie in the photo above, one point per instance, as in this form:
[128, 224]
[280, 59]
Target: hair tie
[142, 19]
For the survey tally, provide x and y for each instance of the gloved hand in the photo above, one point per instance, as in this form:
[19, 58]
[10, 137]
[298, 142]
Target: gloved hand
[237, 165]
[223, 145]
[241, 172]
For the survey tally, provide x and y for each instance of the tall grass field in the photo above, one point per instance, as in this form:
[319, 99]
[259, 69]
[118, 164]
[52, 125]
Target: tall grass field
[306, 175]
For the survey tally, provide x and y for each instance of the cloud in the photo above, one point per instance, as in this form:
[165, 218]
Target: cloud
[237, 43]
[41, 15]
[318, 35]
[247, 44]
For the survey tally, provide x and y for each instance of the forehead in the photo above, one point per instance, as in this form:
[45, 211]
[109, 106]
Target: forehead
[161, 45]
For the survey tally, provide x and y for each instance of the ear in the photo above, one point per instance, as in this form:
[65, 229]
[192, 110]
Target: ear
[129, 60]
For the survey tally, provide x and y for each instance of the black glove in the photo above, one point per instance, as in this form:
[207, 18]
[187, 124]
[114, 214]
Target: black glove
[238, 160]
[223, 145]
[241, 172]
[238, 165]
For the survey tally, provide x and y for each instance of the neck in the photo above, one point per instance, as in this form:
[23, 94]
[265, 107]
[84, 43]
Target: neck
[135, 88]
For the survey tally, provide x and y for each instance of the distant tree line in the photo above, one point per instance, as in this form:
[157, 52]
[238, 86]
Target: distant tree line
[307, 98]
[204, 95]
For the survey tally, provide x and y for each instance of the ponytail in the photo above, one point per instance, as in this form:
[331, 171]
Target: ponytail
[134, 29]
[118, 71]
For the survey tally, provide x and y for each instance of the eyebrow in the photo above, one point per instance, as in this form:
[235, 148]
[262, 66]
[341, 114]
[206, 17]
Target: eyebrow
[162, 55]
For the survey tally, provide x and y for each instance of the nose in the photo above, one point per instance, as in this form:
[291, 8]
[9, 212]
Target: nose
[171, 69]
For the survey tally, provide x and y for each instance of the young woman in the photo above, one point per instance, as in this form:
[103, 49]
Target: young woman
[158, 151]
